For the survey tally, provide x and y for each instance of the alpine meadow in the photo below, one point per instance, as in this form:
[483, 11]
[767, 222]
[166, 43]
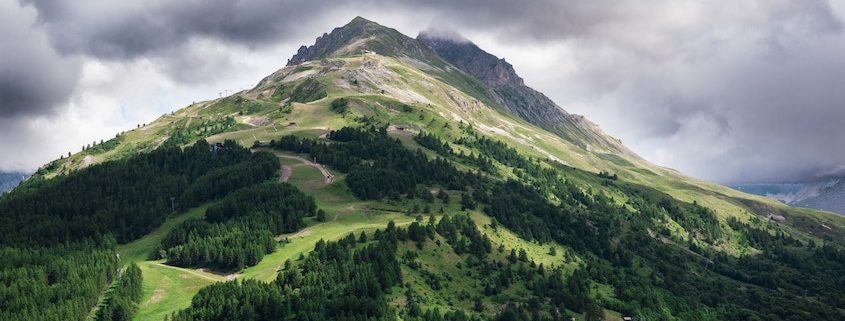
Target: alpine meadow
[382, 177]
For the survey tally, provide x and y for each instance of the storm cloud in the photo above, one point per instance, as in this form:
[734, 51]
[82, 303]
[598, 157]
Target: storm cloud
[33, 77]
[738, 92]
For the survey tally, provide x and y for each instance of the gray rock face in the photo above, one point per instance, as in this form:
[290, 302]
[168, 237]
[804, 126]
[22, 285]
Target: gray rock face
[361, 35]
[487, 68]
[506, 87]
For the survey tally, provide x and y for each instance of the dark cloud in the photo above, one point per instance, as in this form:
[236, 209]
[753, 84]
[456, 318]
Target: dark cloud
[741, 92]
[128, 29]
[33, 77]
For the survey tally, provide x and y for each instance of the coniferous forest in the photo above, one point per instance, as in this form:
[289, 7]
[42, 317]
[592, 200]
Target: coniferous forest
[58, 237]
[240, 229]
[59, 258]
[649, 274]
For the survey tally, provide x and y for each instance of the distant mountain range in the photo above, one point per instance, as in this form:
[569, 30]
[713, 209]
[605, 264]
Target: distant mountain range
[8, 180]
[825, 194]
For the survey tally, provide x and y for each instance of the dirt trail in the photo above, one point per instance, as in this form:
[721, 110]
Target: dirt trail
[328, 177]
[187, 271]
[286, 171]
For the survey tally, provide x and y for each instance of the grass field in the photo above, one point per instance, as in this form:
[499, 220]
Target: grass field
[167, 289]
[539, 253]
[140, 249]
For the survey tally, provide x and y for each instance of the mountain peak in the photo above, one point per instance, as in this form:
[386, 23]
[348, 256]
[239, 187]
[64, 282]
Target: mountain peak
[361, 35]
[454, 48]
[359, 20]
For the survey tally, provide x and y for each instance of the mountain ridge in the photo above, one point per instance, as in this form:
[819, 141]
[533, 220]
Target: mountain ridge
[509, 89]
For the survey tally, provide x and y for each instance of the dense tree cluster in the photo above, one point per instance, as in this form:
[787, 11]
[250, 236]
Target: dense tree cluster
[339, 105]
[127, 198]
[497, 150]
[60, 282]
[343, 280]
[240, 229]
[220, 181]
[121, 302]
[434, 143]
[607, 175]
[57, 236]
[378, 165]
[223, 247]
[192, 131]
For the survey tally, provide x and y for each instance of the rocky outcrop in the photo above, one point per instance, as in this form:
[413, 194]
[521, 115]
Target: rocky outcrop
[508, 89]
[361, 35]
[487, 68]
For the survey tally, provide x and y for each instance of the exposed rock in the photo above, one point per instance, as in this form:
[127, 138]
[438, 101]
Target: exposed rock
[360, 36]
[508, 89]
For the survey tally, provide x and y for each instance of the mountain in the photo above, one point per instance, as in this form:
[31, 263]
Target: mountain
[381, 177]
[508, 89]
[8, 180]
[827, 194]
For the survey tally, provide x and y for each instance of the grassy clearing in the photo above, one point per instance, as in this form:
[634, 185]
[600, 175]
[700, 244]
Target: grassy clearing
[539, 253]
[167, 289]
[303, 241]
[140, 249]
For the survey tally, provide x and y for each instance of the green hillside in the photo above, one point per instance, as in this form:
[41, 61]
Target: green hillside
[371, 179]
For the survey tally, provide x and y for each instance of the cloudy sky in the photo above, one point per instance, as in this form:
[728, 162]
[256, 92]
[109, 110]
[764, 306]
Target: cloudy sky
[739, 91]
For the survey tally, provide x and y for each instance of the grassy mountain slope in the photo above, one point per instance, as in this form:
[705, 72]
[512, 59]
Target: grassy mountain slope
[365, 75]
[379, 84]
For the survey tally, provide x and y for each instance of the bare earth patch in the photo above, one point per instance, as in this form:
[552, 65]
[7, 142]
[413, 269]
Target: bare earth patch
[227, 276]
[87, 160]
[285, 173]
[158, 294]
